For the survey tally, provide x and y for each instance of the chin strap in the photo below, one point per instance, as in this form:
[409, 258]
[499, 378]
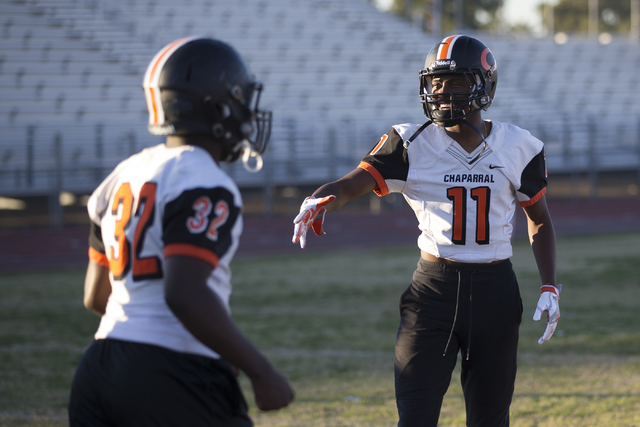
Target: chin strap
[416, 133]
[247, 153]
[475, 159]
[424, 126]
[466, 122]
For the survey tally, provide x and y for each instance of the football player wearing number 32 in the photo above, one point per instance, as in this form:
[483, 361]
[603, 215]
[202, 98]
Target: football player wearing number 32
[165, 226]
[463, 177]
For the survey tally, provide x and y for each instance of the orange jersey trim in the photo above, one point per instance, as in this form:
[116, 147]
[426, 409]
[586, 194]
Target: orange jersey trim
[98, 257]
[382, 189]
[534, 199]
[185, 249]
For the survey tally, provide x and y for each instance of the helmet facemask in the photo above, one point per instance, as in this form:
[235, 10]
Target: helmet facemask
[253, 125]
[461, 104]
[258, 132]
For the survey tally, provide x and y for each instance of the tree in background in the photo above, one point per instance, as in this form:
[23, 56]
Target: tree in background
[455, 15]
[446, 16]
[573, 16]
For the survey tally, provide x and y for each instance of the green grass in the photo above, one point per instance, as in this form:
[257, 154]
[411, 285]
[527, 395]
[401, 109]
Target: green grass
[328, 321]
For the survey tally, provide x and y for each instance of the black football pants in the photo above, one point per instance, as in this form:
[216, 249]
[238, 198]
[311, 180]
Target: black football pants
[127, 384]
[471, 309]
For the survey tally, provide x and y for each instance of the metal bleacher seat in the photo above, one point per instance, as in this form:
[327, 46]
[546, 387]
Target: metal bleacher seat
[330, 67]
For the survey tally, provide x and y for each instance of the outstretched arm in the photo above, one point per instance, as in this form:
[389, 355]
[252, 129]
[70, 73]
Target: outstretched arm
[203, 314]
[328, 198]
[355, 184]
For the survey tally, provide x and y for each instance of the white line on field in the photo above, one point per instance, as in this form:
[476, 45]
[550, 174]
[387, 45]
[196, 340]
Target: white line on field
[21, 416]
[15, 348]
[296, 352]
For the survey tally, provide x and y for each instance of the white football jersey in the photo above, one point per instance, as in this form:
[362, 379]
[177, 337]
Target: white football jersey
[464, 201]
[161, 202]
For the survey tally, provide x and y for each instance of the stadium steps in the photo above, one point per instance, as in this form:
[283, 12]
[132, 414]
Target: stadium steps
[337, 74]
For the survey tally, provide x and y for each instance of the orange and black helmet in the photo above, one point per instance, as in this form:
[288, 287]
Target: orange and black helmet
[466, 56]
[202, 86]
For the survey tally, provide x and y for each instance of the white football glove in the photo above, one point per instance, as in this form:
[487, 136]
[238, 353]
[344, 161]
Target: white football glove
[311, 215]
[549, 297]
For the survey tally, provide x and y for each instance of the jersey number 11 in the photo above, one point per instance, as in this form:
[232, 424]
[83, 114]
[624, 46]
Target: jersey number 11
[482, 197]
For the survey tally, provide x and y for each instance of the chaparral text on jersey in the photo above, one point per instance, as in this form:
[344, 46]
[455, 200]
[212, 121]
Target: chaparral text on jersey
[468, 177]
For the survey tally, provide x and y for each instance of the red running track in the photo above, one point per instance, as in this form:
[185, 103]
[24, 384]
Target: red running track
[49, 249]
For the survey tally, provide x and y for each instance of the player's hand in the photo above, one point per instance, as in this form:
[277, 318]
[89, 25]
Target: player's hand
[311, 215]
[549, 297]
[272, 390]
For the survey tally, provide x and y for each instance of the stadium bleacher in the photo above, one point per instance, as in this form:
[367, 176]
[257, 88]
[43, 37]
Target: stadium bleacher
[337, 74]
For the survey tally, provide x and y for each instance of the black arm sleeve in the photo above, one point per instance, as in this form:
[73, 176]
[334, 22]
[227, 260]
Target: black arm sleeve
[95, 238]
[203, 218]
[534, 176]
[389, 157]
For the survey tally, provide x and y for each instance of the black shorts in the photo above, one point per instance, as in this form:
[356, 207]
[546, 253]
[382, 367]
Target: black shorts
[121, 383]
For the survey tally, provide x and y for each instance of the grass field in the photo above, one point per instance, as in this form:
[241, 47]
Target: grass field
[328, 321]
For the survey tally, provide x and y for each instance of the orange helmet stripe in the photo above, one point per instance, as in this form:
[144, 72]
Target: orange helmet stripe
[152, 78]
[446, 47]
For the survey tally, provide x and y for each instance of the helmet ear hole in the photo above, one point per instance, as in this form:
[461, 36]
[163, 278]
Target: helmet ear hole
[217, 130]
[236, 93]
[218, 111]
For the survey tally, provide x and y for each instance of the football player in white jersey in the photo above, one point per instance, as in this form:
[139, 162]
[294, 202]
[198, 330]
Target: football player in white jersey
[165, 226]
[463, 177]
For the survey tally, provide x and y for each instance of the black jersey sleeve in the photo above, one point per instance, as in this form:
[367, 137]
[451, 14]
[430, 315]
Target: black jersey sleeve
[199, 224]
[97, 252]
[387, 160]
[533, 182]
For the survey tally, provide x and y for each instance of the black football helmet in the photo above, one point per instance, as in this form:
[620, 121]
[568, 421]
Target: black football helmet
[202, 86]
[466, 56]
